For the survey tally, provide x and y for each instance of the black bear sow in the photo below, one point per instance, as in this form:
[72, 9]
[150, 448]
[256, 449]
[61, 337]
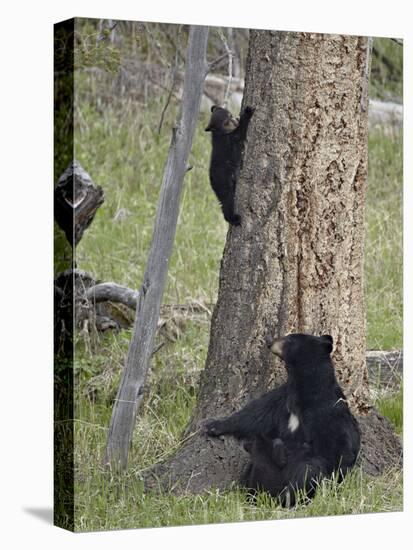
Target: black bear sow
[228, 136]
[299, 432]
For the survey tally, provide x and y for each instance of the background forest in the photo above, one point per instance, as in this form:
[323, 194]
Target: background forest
[127, 84]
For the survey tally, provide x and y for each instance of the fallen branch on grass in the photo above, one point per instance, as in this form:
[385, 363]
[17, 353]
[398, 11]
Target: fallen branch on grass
[113, 292]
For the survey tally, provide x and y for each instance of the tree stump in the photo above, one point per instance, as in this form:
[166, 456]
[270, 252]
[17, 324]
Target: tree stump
[76, 200]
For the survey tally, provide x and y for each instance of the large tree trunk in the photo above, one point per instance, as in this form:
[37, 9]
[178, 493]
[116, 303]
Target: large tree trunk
[296, 262]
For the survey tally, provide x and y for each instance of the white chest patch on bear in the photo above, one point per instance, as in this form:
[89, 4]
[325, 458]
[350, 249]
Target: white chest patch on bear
[293, 422]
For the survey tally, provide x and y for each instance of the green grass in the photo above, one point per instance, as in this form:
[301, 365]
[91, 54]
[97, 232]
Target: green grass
[125, 155]
[104, 501]
[122, 504]
[391, 406]
[384, 245]
[387, 70]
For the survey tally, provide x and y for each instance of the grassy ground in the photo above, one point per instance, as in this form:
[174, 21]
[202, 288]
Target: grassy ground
[384, 246]
[125, 155]
[103, 501]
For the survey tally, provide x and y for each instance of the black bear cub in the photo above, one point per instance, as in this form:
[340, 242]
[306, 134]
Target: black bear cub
[281, 468]
[228, 136]
[299, 432]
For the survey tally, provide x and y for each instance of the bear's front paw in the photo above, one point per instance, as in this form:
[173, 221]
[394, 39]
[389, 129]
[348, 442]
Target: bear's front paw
[249, 110]
[213, 427]
[235, 220]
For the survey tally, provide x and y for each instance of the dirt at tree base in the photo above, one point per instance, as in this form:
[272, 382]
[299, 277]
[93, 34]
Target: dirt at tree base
[381, 448]
[201, 464]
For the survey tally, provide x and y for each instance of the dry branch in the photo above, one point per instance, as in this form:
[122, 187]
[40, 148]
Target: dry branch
[230, 55]
[216, 62]
[106, 30]
[174, 74]
[114, 293]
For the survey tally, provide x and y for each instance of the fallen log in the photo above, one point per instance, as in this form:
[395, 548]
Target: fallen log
[385, 368]
[114, 293]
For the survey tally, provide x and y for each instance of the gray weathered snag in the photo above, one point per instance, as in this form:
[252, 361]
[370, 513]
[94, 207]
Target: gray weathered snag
[149, 302]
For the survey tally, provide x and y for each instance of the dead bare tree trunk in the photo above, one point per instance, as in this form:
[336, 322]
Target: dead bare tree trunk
[296, 263]
[149, 300]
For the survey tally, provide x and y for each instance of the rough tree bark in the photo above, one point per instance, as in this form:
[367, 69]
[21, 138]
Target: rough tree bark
[296, 262]
[149, 300]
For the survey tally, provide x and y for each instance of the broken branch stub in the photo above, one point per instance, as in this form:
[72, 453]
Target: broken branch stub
[76, 200]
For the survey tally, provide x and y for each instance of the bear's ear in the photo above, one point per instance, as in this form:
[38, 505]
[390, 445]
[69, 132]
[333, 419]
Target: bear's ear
[328, 342]
[213, 108]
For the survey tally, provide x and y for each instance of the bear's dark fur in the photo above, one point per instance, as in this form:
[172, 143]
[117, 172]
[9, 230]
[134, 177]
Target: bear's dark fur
[281, 469]
[228, 136]
[301, 431]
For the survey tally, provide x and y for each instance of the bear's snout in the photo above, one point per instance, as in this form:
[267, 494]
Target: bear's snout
[276, 347]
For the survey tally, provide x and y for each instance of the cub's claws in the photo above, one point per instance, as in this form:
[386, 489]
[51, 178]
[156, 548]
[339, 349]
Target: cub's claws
[249, 110]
